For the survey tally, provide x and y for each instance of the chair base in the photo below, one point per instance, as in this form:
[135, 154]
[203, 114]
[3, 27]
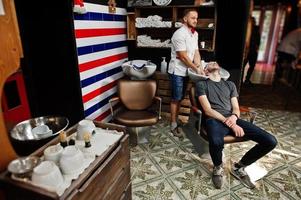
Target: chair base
[139, 135]
[204, 150]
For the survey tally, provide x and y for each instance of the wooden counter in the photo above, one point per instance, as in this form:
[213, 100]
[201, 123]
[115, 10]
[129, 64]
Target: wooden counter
[107, 177]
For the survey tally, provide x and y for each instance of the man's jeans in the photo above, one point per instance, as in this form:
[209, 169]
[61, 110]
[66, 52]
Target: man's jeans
[216, 131]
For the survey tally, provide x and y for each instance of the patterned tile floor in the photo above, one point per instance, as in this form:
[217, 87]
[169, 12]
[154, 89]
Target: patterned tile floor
[168, 168]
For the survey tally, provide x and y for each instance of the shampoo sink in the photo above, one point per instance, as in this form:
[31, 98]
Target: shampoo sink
[138, 69]
[194, 77]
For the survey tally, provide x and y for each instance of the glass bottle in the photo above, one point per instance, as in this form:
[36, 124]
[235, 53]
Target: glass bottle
[63, 139]
[87, 140]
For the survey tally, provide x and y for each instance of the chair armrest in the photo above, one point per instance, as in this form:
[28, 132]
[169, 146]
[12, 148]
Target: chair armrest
[195, 110]
[160, 105]
[111, 106]
[252, 114]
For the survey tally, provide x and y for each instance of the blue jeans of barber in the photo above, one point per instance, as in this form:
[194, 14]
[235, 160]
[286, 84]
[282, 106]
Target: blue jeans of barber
[216, 131]
[178, 86]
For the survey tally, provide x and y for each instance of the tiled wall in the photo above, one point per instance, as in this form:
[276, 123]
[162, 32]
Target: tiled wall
[102, 48]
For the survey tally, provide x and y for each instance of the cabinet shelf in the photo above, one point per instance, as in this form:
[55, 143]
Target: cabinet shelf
[150, 47]
[155, 28]
[173, 13]
[197, 28]
[174, 6]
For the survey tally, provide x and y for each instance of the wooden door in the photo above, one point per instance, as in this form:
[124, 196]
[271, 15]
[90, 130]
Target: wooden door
[11, 51]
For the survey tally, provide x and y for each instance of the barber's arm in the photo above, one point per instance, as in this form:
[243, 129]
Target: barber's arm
[208, 110]
[182, 55]
[197, 58]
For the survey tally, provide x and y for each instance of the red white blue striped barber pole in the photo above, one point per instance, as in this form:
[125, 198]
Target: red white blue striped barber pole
[101, 46]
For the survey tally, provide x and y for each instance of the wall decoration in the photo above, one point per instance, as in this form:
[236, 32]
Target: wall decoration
[79, 7]
[112, 6]
[132, 3]
[101, 48]
[162, 2]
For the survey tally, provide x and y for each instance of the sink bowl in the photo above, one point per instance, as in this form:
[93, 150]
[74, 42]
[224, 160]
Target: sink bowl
[138, 69]
[197, 77]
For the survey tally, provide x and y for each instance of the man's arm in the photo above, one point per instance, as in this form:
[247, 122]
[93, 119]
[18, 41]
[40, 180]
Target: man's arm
[197, 58]
[238, 131]
[208, 110]
[235, 106]
[230, 121]
[182, 55]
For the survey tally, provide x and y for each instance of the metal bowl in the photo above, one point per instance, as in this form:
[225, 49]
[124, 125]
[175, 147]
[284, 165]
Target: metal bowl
[23, 130]
[23, 165]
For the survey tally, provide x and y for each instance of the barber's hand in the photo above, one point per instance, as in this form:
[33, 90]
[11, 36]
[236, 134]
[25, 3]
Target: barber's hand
[230, 121]
[238, 131]
[200, 71]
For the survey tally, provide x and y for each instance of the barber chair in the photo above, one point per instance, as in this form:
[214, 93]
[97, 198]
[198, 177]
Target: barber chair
[137, 112]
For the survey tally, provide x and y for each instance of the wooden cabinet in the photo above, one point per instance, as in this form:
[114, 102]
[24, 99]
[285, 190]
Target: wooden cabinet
[107, 177]
[164, 91]
[171, 16]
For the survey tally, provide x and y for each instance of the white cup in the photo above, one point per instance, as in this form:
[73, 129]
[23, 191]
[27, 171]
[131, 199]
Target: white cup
[47, 174]
[84, 126]
[53, 153]
[71, 160]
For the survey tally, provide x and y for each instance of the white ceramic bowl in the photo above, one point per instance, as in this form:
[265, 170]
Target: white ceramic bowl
[47, 174]
[139, 69]
[42, 131]
[71, 160]
[53, 153]
[84, 126]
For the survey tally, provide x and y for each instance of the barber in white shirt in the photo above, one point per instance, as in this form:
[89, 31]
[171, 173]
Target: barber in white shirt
[184, 54]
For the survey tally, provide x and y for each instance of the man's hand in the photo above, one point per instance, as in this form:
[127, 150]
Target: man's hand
[230, 121]
[238, 131]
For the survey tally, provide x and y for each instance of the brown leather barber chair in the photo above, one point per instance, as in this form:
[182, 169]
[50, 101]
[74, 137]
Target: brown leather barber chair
[137, 112]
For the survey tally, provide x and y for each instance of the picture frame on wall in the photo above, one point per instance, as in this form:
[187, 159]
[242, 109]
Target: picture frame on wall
[132, 3]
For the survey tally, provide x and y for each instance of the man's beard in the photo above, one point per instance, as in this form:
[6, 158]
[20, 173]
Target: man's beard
[190, 26]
